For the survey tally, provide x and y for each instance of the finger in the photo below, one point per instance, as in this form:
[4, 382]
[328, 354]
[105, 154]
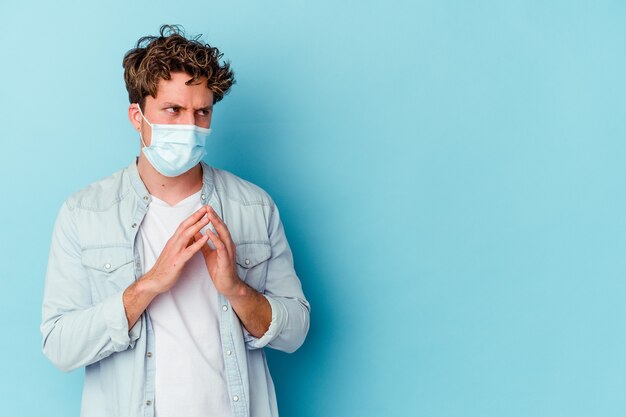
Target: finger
[195, 247]
[190, 231]
[222, 230]
[192, 219]
[181, 238]
[220, 246]
[206, 249]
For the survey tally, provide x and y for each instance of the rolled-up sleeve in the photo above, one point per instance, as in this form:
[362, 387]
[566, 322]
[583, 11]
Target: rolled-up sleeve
[283, 290]
[75, 331]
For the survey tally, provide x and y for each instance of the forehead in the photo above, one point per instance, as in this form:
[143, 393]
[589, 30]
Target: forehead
[175, 90]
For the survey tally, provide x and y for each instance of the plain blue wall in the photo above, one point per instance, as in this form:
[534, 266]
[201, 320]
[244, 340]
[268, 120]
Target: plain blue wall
[450, 175]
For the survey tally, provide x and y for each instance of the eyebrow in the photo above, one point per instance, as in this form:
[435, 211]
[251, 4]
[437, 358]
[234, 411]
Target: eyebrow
[168, 104]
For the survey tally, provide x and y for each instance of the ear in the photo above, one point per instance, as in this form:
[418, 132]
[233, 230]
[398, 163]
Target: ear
[134, 116]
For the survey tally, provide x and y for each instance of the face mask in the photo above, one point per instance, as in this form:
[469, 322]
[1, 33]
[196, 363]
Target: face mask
[174, 148]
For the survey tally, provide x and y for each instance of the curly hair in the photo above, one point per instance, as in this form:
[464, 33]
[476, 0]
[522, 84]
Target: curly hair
[156, 57]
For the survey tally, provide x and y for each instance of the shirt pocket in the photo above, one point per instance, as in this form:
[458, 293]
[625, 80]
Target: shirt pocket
[110, 270]
[252, 259]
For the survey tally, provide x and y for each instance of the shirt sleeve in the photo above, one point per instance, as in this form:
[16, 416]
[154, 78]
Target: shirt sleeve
[283, 290]
[76, 332]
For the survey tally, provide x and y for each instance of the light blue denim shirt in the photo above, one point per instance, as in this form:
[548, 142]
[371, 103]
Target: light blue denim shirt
[95, 255]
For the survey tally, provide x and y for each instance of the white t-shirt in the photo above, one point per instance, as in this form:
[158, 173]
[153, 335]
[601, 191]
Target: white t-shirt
[190, 378]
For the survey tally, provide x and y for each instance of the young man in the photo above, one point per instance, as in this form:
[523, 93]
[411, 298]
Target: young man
[167, 278]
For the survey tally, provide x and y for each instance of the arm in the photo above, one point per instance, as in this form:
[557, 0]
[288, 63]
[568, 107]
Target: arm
[252, 308]
[76, 332]
[278, 318]
[290, 309]
[167, 268]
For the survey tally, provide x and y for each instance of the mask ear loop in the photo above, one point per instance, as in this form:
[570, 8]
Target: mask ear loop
[149, 124]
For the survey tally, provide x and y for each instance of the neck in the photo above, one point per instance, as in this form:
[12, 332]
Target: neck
[169, 189]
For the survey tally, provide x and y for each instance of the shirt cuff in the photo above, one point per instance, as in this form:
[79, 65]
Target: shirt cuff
[117, 323]
[279, 318]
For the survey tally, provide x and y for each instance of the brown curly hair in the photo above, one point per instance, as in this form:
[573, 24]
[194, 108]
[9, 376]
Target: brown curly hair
[155, 57]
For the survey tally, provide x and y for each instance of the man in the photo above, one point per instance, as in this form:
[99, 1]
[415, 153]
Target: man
[167, 278]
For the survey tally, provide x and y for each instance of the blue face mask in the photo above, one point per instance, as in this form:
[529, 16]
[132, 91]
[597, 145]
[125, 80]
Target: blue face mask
[174, 148]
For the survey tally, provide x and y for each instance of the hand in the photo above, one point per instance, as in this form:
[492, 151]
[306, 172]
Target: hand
[221, 261]
[177, 251]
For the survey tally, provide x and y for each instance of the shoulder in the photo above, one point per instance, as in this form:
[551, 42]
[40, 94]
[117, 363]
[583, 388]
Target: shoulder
[234, 188]
[102, 194]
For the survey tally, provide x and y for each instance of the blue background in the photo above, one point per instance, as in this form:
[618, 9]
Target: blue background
[450, 176]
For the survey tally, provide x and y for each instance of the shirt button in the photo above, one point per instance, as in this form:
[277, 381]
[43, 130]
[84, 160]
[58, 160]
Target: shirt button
[228, 353]
[107, 266]
[149, 354]
[148, 402]
[134, 225]
[235, 398]
[203, 197]
[224, 308]
[145, 197]
[247, 261]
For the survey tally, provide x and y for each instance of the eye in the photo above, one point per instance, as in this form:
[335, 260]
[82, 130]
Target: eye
[204, 113]
[172, 110]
